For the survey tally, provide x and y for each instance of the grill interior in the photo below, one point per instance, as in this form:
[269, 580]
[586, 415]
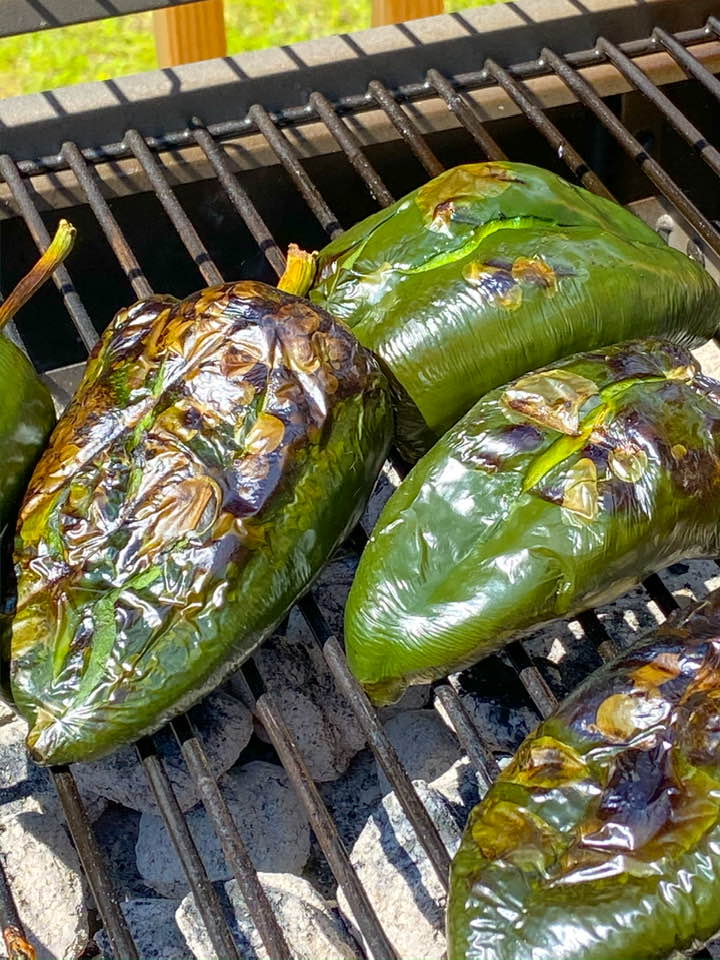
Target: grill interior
[615, 131]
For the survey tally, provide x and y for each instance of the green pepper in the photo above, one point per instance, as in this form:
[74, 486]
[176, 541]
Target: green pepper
[601, 839]
[217, 451]
[554, 493]
[27, 412]
[494, 269]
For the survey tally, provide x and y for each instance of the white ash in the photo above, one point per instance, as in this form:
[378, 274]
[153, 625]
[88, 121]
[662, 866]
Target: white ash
[294, 671]
[224, 728]
[21, 777]
[43, 872]
[425, 745]
[313, 930]
[399, 879]
[117, 833]
[153, 928]
[460, 787]
[269, 818]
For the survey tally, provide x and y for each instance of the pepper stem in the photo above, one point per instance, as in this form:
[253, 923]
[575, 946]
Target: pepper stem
[62, 244]
[299, 272]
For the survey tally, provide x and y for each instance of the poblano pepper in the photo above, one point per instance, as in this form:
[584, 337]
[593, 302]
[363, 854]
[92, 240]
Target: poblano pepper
[27, 412]
[494, 269]
[601, 839]
[216, 452]
[554, 493]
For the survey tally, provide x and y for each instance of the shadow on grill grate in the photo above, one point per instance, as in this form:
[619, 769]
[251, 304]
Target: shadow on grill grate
[590, 633]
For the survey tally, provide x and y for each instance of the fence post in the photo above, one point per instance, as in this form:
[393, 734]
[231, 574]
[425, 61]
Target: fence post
[395, 11]
[192, 31]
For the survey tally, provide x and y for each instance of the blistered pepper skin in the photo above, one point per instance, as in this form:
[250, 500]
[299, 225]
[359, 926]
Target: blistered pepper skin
[601, 839]
[27, 415]
[553, 494]
[216, 452]
[494, 269]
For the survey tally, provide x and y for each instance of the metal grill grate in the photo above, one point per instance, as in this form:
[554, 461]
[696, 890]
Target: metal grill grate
[453, 92]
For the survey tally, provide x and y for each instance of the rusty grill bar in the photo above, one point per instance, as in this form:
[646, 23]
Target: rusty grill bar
[452, 90]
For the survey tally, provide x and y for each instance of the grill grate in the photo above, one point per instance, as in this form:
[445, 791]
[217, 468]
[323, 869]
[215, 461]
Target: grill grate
[453, 91]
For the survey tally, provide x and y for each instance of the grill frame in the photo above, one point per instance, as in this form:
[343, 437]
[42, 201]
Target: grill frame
[666, 26]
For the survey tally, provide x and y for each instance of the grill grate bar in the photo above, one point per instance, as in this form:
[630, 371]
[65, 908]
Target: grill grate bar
[690, 64]
[664, 104]
[537, 116]
[467, 113]
[287, 155]
[234, 850]
[406, 127]
[662, 180]
[88, 180]
[357, 103]
[485, 764]
[324, 829]
[531, 678]
[388, 759]
[94, 866]
[607, 647]
[661, 595]
[351, 147]
[239, 198]
[205, 897]
[172, 207]
[39, 233]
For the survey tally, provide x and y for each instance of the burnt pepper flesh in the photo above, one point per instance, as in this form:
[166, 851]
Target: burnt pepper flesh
[555, 493]
[216, 452]
[601, 839]
[495, 269]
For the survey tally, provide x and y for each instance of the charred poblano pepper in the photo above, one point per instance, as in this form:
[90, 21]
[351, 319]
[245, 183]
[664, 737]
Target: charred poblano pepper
[554, 493]
[601, 839]
[216, 452]
[495, 269]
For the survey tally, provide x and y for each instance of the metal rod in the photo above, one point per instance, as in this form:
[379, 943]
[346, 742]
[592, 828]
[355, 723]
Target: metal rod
[88, 180]
[467, 113]
[352, 148]
[39, 233]
[269, 714]
[480, 757]
[664, 104]
[239, 198]
[537, 116]
[587, 96]
[357, 103]
[531, 678]
[171, 205]
[388, 759]
[690, 64]
[606, 646]
[661, 595]
[202, 889]
[287, 155]
[94, 866]
[406, 127]
[234, 850]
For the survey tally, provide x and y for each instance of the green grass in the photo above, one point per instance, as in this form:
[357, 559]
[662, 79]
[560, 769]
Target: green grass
[112, 48]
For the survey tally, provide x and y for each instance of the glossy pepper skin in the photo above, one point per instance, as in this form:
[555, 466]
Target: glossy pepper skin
[553, 494]
[601, 839]
[494, 269]
[216, 452]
